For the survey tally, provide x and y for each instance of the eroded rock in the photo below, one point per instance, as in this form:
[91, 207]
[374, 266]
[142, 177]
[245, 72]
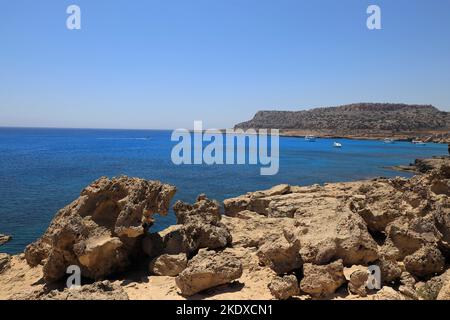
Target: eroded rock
[283, 288]
[324, 280]
[357, 277]
[102, 230]
[426, 261]
[199, 227]
[208, 269]
[168, 265]
[5, 260]
[280, 255]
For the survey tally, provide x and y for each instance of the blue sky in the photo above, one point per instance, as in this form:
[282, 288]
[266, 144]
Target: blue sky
[163, 64]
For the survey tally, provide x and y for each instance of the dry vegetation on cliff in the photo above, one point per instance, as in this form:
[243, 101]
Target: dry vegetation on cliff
[361, 120]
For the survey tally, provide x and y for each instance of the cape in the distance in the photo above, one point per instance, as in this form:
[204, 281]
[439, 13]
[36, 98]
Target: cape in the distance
[359, 120]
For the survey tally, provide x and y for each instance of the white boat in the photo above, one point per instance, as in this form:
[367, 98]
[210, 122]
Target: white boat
[418, 142]
[388, 140]
[310, 138]
[337, 145]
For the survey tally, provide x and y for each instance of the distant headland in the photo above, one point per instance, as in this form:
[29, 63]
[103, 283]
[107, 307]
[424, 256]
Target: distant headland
[359, 120]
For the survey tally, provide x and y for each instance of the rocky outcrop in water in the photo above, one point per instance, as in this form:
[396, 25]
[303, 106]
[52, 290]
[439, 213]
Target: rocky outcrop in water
[4, 239]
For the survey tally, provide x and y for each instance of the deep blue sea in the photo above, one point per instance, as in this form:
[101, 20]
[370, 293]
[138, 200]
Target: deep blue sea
[42, 170]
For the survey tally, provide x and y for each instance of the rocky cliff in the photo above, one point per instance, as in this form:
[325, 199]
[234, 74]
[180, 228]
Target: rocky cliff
[356, 119]
[309, 242]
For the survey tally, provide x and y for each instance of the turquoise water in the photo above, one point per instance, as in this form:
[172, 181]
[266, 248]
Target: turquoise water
[42, 170]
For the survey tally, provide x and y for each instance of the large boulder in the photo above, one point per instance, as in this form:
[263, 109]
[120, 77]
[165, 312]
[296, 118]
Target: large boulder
[250, 229]
[357, 277]
[427, 261]
[199, 226]
[101, 231]
[390, 269]
[168, 265]
[283, 288]
[280, 255]
[208, 269]
[322, 281]
[326, 227]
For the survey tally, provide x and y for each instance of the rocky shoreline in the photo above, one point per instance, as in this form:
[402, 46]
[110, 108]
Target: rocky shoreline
[442, 137]
[423, 165]
[299, 242]
[359, 121]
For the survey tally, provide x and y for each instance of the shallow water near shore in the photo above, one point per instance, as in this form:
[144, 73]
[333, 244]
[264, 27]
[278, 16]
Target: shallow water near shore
[42, 170]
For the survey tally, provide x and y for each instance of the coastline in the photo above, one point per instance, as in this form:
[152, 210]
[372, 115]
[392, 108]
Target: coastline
[265, 237]
[426, 136]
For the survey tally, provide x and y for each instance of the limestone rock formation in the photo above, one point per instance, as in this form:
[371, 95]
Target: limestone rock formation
[444, 291]
[4, 239]
[280, 255]
[388, 293]
[323, 236]
[324, 223]
[4, 261]
[199, 226]
[283, 288]
[168, 265]
[102, 230]
[208, 269]
[424, 262]
[357, 277]
[322, 281]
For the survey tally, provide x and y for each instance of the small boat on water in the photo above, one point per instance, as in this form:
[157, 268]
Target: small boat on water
[337, 145]
[388, 140]
[310, 138]
[418, 142]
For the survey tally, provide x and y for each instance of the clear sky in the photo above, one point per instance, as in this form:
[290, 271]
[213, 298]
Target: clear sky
[166, 63]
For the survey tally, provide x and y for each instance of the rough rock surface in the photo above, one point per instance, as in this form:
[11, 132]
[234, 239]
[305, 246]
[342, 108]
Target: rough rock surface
[444, 292]
[425, 262]
[199, 226]
[325, 226]
[322, 281]
[102, 230]
[357, 277]
[168, 265]
[5, 260]
[280, 255]
[4, 239]
[283, 288]
[325, 235]
[207, 270]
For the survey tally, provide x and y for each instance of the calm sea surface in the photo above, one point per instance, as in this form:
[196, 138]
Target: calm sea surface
[42, 170]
